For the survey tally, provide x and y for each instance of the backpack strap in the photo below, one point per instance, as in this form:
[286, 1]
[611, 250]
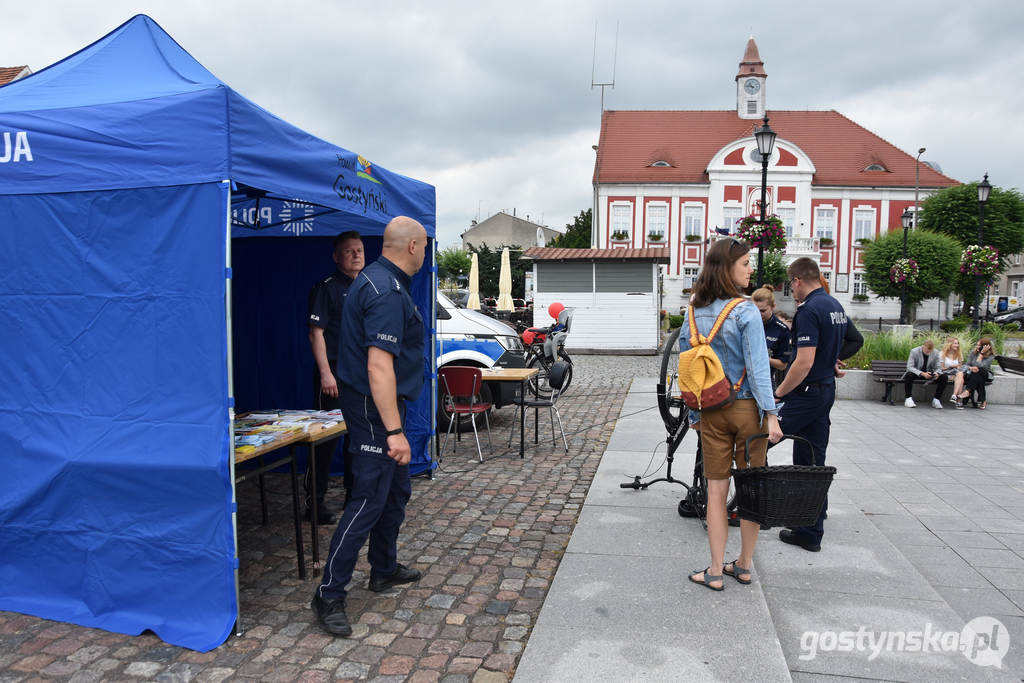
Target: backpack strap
[697, 338]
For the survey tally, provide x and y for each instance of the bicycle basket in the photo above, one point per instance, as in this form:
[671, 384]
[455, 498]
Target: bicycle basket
[781, 495]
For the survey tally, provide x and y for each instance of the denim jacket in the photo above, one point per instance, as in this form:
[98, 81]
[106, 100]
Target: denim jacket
[739, 344]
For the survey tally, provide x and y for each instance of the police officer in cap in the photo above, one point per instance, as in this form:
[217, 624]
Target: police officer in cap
[326, 302]
[809, 389]
[380, 365]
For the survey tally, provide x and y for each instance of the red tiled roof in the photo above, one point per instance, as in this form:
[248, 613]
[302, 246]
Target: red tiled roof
[658, 255]
[839, 148]
[751, 64]
[9, 73]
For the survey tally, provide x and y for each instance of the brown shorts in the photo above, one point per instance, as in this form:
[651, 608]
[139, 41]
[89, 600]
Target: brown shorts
[723, 434]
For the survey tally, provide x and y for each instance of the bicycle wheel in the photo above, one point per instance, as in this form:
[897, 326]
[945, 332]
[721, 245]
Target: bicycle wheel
[670, 402]
[562, 355]
[538, 384]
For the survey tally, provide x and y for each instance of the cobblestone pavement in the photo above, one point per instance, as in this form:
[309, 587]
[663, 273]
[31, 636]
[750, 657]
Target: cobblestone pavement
[487, 537]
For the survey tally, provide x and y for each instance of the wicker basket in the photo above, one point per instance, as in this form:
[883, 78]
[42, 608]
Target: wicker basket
[783, 495]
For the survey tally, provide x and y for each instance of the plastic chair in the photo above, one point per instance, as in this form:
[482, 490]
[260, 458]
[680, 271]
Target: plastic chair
[556, 378]
[462, 385]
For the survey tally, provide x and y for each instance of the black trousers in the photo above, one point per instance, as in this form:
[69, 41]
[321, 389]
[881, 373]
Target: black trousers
[940, 384]
[975, 382]
[325, 450]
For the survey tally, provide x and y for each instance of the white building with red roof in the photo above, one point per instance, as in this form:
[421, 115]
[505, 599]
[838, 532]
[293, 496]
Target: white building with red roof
[670, 178]
[13, 73]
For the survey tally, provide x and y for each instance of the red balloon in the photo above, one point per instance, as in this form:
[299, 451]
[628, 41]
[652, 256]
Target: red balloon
[554, 309]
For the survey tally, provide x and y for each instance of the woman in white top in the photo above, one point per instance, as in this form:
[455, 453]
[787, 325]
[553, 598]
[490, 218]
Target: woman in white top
[952, 357]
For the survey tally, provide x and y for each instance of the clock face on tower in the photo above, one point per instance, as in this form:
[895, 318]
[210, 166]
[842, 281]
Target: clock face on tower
[752, 85]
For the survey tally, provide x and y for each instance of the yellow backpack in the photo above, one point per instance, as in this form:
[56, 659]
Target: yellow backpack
[701, 375]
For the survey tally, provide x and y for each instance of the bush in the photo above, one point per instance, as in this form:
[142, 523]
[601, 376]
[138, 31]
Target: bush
[955, 325]
[675, 321]
[886, 346]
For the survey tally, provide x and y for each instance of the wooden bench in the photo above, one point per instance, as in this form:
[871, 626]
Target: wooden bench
[1014, 365]
[890, 372]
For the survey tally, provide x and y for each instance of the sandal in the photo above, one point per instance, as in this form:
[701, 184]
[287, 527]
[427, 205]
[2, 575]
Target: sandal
[708, 578]
[737, 571]
[984, 404]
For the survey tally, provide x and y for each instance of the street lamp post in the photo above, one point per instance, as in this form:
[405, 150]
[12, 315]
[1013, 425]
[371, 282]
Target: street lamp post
[907, 219]
[983, 189]
[765, 137]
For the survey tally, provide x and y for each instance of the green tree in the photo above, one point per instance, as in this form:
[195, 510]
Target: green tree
[774, 268]
[577, 233]
[938, 263]
[953, 211]
[452, 262]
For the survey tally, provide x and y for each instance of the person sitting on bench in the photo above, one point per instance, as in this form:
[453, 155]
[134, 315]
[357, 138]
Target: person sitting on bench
[924, 363]
[976, 372]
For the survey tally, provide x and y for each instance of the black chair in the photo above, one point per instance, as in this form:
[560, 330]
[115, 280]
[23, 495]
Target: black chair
[556, 378]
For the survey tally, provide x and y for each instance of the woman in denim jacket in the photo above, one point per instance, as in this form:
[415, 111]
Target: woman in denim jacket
[740, 345]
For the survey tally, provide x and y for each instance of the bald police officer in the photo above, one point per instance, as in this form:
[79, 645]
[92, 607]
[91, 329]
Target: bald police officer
[380, 365]
[809, 388]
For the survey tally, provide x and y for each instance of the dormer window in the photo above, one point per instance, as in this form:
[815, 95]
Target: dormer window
[875, 167]
[661, 164]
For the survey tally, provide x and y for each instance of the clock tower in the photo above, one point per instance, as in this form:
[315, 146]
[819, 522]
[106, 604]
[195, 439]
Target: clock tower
[750, 84]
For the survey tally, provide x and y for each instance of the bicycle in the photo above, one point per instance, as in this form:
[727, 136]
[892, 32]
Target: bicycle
[542, 347]
[674, 414]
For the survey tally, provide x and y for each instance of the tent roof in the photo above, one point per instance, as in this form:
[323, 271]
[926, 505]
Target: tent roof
[134, 109]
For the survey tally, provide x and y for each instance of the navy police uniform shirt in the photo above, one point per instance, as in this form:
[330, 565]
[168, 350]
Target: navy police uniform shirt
[820, 322]
[776, 333]
[379, 311]
[326, 301]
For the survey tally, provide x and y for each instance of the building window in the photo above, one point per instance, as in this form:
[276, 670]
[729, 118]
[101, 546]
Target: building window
[864, 224]
[689, 277]
[661, 164]
[788, 216]
[622, 218]
[1015, 288]
[657, 220]
[874, 167]
[730, 216]
[693, 221]
[859, 285]
[825, 223]
[1016, 259]
[827, 274]
[751, 106]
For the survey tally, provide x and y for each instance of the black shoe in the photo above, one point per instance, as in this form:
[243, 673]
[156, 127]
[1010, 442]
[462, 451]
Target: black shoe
[324, 515]
[791, 537]
[331, 615]
[402, 574]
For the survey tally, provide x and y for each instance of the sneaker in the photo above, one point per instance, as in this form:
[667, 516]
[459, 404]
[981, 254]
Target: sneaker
[402, 574]
[331, 616]
[959, 404]
[910, 403]
[936, 403]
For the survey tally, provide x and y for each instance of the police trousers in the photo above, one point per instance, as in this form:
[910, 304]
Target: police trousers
[805, 413]
[375, 508]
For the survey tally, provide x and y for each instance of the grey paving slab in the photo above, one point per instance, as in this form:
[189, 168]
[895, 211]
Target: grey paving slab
[979, 602]
[618, 618]
[811, 625]
[618, 467]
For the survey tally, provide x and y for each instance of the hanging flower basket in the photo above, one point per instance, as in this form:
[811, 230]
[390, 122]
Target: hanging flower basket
[980, 261]
[771, 234]
[903, 270]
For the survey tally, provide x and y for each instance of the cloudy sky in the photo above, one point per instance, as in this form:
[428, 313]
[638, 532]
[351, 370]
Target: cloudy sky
[491, 102]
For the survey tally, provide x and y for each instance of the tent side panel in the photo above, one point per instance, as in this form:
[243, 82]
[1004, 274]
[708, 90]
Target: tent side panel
[113, 412]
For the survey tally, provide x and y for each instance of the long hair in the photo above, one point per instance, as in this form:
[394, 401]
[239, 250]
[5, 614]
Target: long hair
[715, 279]
[949, 345]
[986, 341]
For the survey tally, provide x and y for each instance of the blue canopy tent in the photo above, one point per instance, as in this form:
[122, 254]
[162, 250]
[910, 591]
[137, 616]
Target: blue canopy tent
[138, 195]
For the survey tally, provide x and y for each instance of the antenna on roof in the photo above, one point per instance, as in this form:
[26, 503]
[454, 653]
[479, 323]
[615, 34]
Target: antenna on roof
[593, 64]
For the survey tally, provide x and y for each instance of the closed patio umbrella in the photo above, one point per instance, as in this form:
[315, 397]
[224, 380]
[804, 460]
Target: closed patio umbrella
[474, 285]
[505, 283]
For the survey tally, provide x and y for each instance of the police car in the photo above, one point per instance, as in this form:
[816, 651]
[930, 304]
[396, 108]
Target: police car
[468, 337]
